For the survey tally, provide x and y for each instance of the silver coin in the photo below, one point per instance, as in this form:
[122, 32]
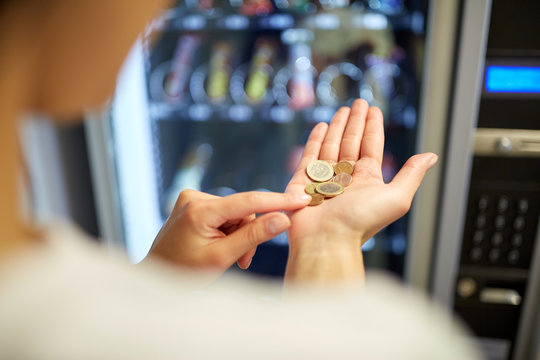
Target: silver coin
[320, 170]
[329, 189]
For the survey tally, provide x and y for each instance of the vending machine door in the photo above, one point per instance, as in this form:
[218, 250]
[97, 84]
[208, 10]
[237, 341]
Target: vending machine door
[487, 259]
[233, 89]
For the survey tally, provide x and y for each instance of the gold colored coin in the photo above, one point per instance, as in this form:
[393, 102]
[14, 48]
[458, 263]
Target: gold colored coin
[319, 170]
[344, 179]
[343, 167]
[330, 189]
[310, 189]
[316, 199]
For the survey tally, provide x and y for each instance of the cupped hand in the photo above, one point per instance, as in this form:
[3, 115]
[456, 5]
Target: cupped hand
[355, 134]
[210, 232]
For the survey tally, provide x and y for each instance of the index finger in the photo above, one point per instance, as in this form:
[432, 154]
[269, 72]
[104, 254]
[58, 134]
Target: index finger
[313, 145]
[253, 202]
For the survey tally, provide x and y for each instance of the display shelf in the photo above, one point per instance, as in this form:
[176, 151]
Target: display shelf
[233, 97]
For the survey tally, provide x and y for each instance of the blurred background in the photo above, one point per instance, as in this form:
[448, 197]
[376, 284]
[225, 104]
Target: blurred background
[234, 89]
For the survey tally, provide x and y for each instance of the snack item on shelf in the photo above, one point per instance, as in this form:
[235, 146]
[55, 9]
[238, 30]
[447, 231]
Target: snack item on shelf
[219, 72]
[175, 86]
[261, 70]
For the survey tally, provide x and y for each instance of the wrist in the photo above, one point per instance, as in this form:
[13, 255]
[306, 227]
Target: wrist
[321, 259]
[325, 243]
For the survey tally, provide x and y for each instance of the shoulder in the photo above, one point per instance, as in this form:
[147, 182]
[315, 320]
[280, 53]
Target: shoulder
[71, 299]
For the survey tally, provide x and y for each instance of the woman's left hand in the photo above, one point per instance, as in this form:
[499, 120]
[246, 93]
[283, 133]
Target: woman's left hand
[345, 222]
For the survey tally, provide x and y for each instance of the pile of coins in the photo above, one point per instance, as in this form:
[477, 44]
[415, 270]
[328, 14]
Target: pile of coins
[329, 179]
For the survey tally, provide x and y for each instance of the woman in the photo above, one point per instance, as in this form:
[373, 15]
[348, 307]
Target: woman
[62, 298]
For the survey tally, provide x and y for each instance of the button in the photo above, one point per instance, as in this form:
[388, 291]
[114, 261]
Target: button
[466, 287]
[494, 255]
[499, 222]
[478, 237]
[483, 203]
[503, 204]
[523, 206]
[504, 145]
[517, 240]
[513, 257]
[475, 254]
[481, 221]
[497, 239]
[519, 223]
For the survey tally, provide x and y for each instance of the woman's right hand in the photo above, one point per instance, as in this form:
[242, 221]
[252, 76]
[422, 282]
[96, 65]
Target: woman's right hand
[212, 233]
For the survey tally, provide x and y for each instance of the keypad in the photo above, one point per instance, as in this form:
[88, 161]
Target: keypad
[523, 206]
[498, 228]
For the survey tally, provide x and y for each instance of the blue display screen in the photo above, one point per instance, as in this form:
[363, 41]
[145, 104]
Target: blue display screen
[513, 79]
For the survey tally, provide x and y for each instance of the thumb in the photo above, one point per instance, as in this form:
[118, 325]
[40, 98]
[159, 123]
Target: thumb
[408, 179]
[250, 235]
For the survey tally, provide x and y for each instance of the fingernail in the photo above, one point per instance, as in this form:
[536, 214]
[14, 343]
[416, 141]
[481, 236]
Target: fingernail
[433, 161]
[302, 197]
[277, 224]
[248, 264]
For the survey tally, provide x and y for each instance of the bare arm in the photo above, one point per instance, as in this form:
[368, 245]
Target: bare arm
[325, 240]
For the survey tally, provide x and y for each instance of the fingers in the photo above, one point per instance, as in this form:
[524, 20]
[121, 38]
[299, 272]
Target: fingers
[246, 239]
[313, 145]
[190, 195]
[332, 141]
[408, 179]
[233, 225]
[352, 136]
[373, 137]
[244, 204]
[245, 260]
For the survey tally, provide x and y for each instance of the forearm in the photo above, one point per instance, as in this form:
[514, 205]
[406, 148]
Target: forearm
[325, 259]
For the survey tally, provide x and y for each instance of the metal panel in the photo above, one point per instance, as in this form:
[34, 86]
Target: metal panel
[42, 154]
[528, 336]
[104, 180]
[121, 155]
[507, 142]
[472, 46]
[436, 87]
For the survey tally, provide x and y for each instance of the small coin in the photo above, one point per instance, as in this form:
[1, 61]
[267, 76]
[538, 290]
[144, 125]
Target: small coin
[310, 189]
[316, 199]
[320, 170]
[329, 189]
[343, 167]
[344, 179]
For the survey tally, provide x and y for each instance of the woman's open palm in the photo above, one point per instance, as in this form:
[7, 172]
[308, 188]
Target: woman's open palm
[356, 135]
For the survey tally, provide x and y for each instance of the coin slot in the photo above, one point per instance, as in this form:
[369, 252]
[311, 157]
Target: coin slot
[500, 296]
[531, 146]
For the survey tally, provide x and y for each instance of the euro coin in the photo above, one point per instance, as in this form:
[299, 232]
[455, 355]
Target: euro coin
[319, 170]
[344, 179]
[310, 189]
[329, 189]
[316, 199]
[343, 167]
